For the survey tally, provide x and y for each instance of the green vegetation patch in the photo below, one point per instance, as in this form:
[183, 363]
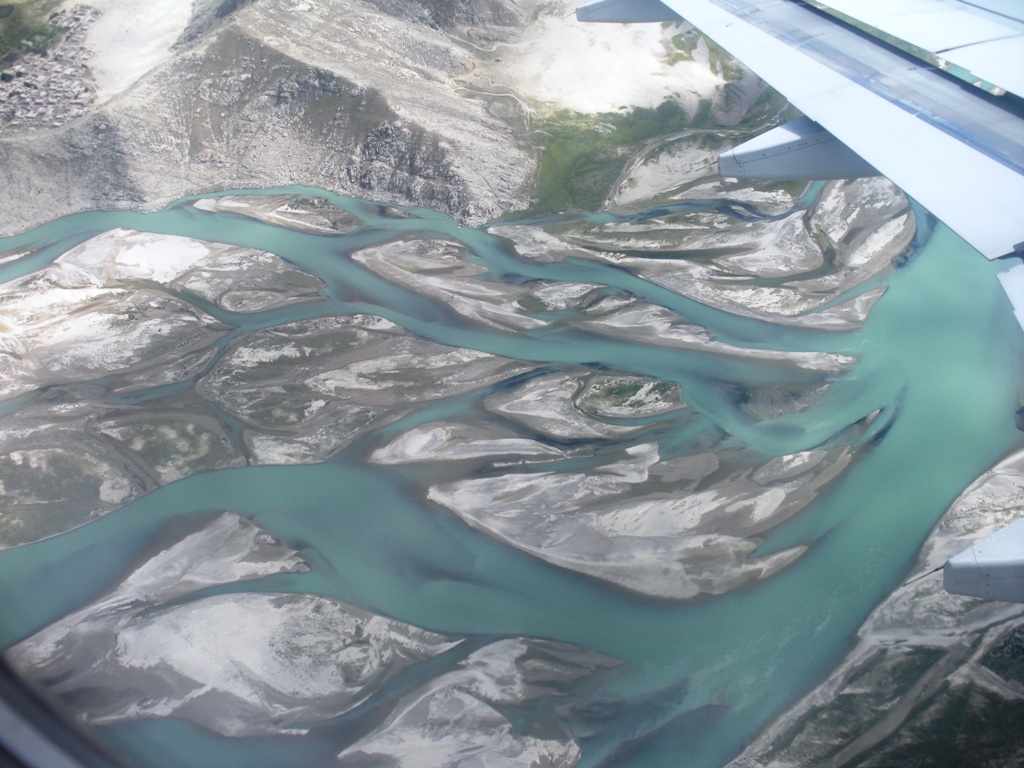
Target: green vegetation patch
[685, 46]
[1007, 658]
[628, 396]
[22, 31]
[722, 61]
[965, 727]
[532, 304]
[586, 153]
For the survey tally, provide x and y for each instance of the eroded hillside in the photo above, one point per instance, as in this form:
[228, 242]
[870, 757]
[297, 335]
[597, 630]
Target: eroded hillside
[440, 103]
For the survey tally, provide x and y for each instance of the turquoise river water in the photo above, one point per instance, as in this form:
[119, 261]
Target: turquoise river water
[940, 354]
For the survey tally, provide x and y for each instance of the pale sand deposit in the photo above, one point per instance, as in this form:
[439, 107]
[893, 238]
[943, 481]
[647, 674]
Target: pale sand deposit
[131, 38]
[602, 67]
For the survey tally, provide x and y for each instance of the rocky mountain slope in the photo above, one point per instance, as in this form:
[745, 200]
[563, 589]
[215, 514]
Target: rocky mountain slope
[352, 95]
[440, 103]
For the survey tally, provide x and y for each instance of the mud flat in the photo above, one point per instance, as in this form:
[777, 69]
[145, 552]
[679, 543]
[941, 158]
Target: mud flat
[305, 390]
[120, 313]
[569, 408]
[675, 528]
[786, 268]
[263, 663]
[130, 327]
[113, 315]
[124, 314]
[457, 442]
[457, 717]
[239, 664]
[306, 214]
[441, 272]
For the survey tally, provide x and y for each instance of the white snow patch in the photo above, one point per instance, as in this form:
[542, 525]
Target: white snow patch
[131, 38]
[124, 254]
[601, 67]
[115, 490]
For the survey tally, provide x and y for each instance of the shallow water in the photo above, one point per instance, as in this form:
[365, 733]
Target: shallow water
[940, 355]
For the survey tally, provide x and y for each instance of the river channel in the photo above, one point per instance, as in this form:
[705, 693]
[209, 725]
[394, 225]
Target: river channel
[906, 409]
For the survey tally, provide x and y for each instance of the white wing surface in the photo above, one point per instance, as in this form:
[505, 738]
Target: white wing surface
[926, 91]
[993, 568]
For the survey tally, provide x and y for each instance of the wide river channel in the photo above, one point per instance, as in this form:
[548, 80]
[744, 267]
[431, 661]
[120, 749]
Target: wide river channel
[938, 356]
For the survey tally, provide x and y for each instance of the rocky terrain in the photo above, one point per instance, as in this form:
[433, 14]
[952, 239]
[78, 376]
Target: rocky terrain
[344, 95]
[417, 102]
[50, 90]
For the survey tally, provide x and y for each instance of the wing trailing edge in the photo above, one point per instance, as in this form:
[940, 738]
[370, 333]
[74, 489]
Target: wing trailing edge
[800, 149]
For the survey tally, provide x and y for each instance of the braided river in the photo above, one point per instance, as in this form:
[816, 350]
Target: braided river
[581, 513]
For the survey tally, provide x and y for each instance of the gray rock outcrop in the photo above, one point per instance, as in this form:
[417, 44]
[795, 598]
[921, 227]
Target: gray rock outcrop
[335, 94]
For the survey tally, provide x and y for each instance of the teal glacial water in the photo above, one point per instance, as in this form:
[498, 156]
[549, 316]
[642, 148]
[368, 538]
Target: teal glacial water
[940, 354]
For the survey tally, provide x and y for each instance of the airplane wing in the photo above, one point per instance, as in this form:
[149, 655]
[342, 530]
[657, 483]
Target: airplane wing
[993, 568]
[928, 92]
